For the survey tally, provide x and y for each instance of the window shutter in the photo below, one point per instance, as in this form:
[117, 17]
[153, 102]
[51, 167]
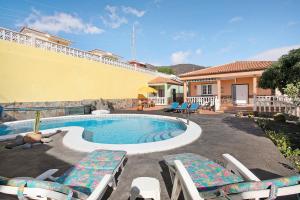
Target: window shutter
[214, 89]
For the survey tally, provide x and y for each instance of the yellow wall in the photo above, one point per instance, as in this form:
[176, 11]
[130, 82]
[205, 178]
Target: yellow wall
[30, 74]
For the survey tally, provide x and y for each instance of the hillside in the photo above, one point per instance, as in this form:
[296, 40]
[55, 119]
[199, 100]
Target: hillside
[184, 68]
[180, 68]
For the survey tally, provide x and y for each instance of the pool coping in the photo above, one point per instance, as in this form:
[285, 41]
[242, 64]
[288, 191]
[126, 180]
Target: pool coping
[73, 138]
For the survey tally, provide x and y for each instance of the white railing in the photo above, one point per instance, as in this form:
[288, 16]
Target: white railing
[203, 100]
[276, 104]
[20, 38]
[159, 100]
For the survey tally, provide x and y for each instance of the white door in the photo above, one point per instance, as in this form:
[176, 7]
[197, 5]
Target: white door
[240, 94]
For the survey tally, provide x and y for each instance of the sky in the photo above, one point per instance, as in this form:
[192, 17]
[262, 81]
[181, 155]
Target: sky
[203, 32]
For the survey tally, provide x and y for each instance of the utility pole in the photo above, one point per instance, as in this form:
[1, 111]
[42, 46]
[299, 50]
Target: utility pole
[133, 50]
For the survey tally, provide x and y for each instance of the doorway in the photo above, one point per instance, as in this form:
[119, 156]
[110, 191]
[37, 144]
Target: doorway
[240, 94]
[174, 98]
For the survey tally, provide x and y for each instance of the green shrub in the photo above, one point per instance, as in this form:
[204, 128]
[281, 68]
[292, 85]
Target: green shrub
[284, 145]
[256, 113]
[262, 123]
[239, 114]
[279, 117]
[250, 116]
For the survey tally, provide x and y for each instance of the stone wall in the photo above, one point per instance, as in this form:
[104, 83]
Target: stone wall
[96, 104]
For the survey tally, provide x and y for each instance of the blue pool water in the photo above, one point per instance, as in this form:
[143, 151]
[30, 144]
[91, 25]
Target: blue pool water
[116, 130]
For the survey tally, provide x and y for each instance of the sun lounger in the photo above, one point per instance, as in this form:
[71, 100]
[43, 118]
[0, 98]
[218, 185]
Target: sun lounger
[194, 107]
[172, 107]
[88, 179]
[182, 108]
[200, 178]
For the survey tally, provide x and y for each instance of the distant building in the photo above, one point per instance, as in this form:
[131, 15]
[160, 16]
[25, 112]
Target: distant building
[137, 63]
[105, 54]
[235, 85]
[45, 36]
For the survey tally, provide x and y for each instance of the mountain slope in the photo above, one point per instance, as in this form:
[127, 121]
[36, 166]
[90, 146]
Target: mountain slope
[184, 68]
[180, 68]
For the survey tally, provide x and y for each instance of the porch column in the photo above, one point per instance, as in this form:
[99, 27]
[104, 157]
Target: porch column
[254, 92]
[166, 96]
[184, 90]
[218, 102]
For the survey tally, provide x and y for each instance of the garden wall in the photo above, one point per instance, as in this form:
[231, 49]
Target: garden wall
[30, 74]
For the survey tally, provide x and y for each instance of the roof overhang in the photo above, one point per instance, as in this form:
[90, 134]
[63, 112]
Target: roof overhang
[225, 75]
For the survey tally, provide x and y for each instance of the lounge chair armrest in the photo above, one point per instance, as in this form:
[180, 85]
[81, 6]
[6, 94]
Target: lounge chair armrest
[100, 188]
[186, 182]
[48, 175]
[238, 168]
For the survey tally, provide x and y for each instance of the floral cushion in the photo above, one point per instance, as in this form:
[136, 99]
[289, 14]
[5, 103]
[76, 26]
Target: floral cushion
[206, 174]
[16, 182]
[106, 155]
[34, 183]
[105, 165]
[83, 180]
[184, 157]
[261, 185]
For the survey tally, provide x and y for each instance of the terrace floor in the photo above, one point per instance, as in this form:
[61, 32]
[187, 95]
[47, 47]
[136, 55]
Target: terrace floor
[222, 133]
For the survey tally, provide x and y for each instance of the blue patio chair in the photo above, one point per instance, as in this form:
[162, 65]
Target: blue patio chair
[183, 107]
[194, 107]
[172, 107]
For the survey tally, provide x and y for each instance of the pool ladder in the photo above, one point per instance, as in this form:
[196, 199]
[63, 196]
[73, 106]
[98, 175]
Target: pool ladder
[187, 116]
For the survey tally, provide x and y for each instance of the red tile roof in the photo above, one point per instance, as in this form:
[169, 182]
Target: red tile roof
[159, 80]
[239, 66]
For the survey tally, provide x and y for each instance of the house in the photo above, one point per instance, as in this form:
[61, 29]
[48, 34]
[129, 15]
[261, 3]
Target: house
[137, 63]
[168, 90]
[230, 86]
[105, 54]
[44, 36]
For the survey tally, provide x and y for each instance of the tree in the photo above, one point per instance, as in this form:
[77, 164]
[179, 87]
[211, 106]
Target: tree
[283, 72]
[166, 70]
[293, 91]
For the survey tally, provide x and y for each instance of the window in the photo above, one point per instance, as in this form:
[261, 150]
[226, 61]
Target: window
[206, 89]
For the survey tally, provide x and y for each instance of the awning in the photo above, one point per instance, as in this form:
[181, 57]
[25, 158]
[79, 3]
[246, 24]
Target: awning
[147, 89]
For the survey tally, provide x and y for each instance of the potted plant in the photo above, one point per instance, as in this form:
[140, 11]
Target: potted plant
[36, 135]
[140, 106]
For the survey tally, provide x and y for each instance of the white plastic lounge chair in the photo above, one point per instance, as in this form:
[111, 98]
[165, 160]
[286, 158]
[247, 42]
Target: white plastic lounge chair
[87, 180]
[249, 188]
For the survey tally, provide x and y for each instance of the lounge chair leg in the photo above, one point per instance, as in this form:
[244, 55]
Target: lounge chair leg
[176, 189]
[114, 184]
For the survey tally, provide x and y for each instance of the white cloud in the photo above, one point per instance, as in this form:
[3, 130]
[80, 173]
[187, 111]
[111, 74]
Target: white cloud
[274, 54]
[180, 57]
[113, 19]
[133, 11]
[292, 23]
[198, 52]
[236, 19]
[184, 35]
[59, 22]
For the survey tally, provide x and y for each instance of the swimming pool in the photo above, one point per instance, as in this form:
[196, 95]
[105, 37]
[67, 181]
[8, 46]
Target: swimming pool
[112, 130]
[134, 133]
